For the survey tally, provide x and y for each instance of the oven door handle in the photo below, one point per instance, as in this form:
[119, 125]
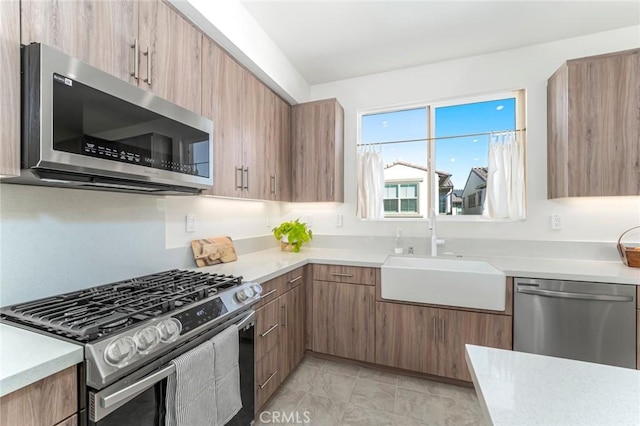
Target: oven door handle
[136, 388]
[246, 320]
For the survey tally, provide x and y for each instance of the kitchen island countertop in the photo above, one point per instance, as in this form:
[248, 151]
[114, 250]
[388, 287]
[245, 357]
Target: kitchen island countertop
[516, 388]
[26, 357]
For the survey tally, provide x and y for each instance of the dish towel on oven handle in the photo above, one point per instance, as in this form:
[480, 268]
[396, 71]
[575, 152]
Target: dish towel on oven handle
[191, 390]
[226, 347]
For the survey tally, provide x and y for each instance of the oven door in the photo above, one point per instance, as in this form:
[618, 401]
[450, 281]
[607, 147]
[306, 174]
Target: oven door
[141, 402]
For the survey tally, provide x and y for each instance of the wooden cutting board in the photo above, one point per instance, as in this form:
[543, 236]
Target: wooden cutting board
[211, 251]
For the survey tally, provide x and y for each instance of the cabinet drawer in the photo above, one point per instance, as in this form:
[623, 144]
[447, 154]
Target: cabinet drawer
[280, 285]
[268, 378]
[344, 274]
[267, 328]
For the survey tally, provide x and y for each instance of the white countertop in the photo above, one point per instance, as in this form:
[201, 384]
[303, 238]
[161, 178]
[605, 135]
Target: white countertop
[26, 357]
[522, 389]
[263, 265]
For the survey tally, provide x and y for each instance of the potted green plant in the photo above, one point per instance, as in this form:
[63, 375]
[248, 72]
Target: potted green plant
[292, 235]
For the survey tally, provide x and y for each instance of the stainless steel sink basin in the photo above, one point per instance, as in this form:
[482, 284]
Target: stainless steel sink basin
[441, 281]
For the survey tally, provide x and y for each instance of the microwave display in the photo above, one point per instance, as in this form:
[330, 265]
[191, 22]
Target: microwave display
[91, 123]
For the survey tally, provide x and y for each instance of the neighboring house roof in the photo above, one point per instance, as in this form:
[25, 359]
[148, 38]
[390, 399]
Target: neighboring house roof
[482, 172]
[456, 195]
[415, 166]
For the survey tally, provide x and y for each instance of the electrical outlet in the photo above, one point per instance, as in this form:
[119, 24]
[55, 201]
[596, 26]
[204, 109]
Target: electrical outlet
[308, 219]
[190, 222]
[556, 222]
[339, 220]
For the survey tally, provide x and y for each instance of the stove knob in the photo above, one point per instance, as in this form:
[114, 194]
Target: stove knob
[120, 351]
[243, 295]
[257, 288]
[169, 330]
[147, 339]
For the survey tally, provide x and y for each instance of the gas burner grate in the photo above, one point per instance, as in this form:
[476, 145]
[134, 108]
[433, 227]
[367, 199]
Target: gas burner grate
[89, 314]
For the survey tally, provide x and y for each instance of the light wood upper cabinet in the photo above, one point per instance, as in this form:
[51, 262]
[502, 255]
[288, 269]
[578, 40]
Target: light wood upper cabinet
[282, 172]
[222, 102]
[10, 100]
[344, 320]
[251, 130]
[593, 120]
[100, 33]
[318, 151]
[170, 52]
[104, 34]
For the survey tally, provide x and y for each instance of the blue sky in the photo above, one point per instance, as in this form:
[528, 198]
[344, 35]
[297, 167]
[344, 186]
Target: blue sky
[455, 156]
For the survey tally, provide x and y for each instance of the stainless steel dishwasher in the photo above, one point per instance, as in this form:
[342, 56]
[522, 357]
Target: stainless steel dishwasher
[586, 321]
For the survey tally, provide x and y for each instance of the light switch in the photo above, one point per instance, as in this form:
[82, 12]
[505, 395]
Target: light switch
[191, 223]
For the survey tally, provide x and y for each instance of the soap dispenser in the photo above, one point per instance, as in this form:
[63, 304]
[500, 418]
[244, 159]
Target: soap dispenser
[399, 242]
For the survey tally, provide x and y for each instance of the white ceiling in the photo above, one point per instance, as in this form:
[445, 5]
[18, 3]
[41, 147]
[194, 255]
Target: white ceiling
[333, 40]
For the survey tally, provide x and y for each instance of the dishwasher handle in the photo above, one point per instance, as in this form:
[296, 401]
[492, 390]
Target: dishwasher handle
[579, 296]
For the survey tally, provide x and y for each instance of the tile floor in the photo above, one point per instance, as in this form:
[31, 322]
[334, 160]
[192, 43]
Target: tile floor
[334, 393]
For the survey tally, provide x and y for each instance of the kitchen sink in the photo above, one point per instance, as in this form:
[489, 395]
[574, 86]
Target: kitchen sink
[441, 281]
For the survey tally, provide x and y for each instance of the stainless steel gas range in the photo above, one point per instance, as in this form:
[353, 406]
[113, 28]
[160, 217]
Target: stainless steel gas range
[132, 329]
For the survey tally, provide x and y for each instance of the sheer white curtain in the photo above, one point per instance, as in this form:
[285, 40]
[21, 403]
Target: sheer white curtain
[505, 198]
[370, 184]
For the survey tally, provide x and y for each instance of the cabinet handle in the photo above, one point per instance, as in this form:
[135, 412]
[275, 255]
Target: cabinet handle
[269, 379]
[239, 186]
[295, 279]
[148, 55]
[245, 181]
[442, 330]
[273, 327]
[272, 181]
[331, 183]
[284, 315]
[136, 64]
[269, 293]
[338, 274]
[434, 326]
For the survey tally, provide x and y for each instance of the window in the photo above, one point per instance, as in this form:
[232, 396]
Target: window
[445, 146]
[401, 198]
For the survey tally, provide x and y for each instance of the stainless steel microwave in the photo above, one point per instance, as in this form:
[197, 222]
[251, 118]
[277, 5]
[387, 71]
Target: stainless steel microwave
[85, 128]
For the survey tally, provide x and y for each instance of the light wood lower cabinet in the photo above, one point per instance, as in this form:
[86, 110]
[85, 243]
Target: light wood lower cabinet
[291, 329]
[280, 329]
[431, 340]
[47, 402]
[344, 320]
[268, 377]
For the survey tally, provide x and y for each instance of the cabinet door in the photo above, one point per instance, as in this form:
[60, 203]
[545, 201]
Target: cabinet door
[170, 55]
[10, 101]
[457, 328]
[254, 135]
[267, 328]
[406, 337]
[100, 33]
[292, 330]
[317, 132]
[344, 320]
[604, 125]
[283, 146]
[222, 91]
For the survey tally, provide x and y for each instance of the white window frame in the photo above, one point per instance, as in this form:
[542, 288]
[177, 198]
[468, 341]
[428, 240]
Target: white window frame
[430, 107]
[399, 214]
